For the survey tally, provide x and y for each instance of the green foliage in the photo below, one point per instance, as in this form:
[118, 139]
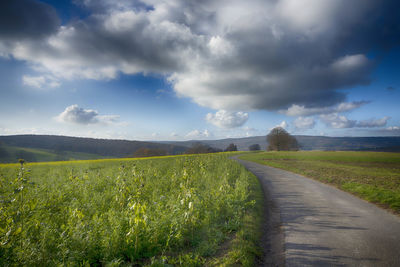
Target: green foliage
[373, 176]
[231, 147]
[159, 212]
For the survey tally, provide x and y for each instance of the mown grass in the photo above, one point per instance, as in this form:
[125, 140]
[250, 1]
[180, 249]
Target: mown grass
[374, 176]
[166, 211]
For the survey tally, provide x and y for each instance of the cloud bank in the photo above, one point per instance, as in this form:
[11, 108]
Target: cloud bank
[296, 110]
[226, 55]
[197, 134]
[337, 121]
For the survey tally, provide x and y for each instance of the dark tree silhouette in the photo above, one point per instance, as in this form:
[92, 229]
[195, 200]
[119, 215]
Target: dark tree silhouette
[231, 147]
[254, 147]
[279, 139]
[200, 148]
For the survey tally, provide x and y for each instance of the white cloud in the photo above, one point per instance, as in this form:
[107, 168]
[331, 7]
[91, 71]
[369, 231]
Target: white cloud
[196, 134]
[77, 115]
[393, 128]
[337, 121]
[283, 125]
[304, 123]
[372, 123]
[227, 119]
[297, 110]
[40, 81]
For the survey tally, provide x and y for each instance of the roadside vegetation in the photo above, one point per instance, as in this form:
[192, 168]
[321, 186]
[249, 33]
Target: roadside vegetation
[373, 176]
[195, 210]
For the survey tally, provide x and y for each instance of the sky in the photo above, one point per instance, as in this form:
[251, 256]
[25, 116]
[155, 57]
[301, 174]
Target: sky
[199, 69]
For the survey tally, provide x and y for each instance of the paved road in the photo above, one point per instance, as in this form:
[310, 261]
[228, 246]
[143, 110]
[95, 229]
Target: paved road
[313, 224]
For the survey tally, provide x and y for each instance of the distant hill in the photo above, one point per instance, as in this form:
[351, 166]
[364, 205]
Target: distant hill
[390, 144]
[241, 143]
[50, 147]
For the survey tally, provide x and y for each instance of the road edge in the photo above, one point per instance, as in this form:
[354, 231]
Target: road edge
[273, 239]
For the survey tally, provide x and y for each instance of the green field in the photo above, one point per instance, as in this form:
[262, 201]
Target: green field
[179, 211]
[374, 176]
[10, 154]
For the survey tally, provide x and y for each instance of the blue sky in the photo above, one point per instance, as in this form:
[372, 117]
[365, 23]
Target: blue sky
[179, 70]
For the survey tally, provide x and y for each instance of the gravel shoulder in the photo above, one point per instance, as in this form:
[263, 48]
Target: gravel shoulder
[313, 224]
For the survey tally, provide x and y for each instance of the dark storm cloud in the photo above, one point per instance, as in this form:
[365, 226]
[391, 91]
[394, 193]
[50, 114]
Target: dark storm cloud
[285, 59]
[22, 19]
[230, 55]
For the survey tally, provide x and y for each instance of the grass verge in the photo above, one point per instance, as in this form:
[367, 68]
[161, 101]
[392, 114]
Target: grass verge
[245, 249]
[373, 176]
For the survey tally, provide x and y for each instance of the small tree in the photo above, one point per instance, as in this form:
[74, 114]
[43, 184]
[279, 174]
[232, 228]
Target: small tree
[254, 147]
[231, 147]
[279, 139]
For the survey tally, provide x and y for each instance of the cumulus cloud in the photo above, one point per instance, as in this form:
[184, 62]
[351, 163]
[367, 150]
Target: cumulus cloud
[77, 115]
[304, 123]
[227, 119]
[283, 125]
[296, 110]
[40, 81]
[337, 121]
[226, 55]
[196, 134]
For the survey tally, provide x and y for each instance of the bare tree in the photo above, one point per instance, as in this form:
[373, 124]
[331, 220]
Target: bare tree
[279, 139]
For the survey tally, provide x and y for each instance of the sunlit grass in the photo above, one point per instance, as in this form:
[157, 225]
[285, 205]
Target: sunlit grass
[163, 210]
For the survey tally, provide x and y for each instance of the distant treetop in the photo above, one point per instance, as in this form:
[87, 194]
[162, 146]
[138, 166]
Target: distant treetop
[279, 139]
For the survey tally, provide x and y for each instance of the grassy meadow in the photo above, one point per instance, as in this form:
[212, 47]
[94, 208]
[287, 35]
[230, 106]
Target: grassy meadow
[373, 176]
[200, 210]
[13, 153]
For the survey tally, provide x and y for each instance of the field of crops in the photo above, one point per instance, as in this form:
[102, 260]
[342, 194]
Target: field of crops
[172, 210]
[374, 176]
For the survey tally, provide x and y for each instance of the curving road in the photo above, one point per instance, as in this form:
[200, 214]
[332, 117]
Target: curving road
[314, 224]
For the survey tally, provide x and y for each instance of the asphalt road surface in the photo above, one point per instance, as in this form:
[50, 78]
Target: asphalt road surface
[313, 224]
